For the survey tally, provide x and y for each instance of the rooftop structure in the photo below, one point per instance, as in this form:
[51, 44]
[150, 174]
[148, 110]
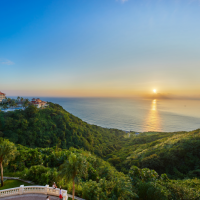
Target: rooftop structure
[39, 103]
[2, 96]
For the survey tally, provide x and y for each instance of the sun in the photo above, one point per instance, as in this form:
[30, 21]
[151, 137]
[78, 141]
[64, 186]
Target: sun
[154, 90]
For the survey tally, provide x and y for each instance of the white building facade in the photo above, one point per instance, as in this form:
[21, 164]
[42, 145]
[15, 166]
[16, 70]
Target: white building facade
[2, 96]
[39, 103]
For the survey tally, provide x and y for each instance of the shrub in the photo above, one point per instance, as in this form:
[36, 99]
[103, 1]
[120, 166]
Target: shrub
[41, 175]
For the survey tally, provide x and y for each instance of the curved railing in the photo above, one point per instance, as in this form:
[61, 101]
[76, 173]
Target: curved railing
[9, 192]
[33, 190]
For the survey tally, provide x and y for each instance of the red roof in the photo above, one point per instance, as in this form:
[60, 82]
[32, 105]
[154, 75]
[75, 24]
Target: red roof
[2, 93]
[38, 102]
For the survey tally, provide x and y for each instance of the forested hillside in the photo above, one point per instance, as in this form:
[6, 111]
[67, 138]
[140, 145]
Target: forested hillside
[53, 126]
[147, 166]
[176, 154]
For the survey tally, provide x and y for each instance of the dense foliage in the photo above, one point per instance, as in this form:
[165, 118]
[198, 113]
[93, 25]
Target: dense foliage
[176, 154]
[53, 126]
[150, 186]
[102, 181]
[43, 166]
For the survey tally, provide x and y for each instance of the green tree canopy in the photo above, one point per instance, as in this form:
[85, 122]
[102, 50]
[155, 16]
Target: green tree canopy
[8, 151]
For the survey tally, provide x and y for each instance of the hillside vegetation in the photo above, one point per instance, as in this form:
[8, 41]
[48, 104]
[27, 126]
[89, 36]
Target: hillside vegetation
[147, 166]
[102, 181]
[176, 154]
[53, 126]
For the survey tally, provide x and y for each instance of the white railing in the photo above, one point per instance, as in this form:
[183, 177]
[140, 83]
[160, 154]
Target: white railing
[33, 190]
[9, 192]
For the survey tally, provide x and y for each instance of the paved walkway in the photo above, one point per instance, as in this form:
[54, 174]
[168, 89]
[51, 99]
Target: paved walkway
[78, 198]
[17, 178]
[29, 197]
[35, 197]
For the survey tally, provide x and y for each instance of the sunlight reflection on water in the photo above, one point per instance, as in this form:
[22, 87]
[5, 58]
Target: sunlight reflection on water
[153, 120]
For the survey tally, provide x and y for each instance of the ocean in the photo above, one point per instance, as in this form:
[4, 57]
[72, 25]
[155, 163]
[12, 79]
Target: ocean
[133, 114]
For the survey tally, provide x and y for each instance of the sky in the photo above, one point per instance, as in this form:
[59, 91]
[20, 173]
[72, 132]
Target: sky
[100, 48]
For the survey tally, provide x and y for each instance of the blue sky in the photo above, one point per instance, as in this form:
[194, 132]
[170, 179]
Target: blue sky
[99, 47]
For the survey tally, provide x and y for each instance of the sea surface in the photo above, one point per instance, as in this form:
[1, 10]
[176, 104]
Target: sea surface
[134, 114]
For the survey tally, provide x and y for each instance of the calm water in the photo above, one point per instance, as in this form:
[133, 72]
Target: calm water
[135, 115]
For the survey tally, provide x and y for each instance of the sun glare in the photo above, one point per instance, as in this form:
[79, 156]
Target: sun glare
[154, 90]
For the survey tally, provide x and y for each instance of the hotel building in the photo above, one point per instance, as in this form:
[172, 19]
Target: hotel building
[2, 96]
[39, 103]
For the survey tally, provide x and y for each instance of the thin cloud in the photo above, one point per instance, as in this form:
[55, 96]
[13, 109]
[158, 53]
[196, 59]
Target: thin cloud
[7, 62]
[123, 1]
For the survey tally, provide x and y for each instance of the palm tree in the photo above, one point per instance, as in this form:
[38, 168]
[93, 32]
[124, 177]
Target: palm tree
[8, 100]
[26, 103]
[8, 151]
[75, 165]
[13, 103]
[5, 106]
